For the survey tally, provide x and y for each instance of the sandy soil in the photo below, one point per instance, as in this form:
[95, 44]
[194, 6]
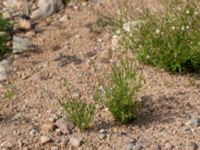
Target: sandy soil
[70, 50]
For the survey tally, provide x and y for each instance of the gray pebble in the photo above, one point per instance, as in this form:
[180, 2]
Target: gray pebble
[33, 132]
[137, 147]
[192, 146]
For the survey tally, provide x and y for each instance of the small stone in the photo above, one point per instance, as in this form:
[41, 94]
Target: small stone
[102, 136]
[46, 128]
[102, 131]
[64, 18]
[6, 144]
[189, 131]
[187, 116]
[137, 147]
[44, 139]
[54, 148]
[192, 146]
[130, 146]
[53, 118]
[156, 147]
[24, 24]
[64, 140]
[122, 133]
[195, 122]
[3, 73]
[33, 132]
[75, 141]
[169, 146]
[65, 126]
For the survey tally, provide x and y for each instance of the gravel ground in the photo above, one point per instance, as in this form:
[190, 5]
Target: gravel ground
[69, 50]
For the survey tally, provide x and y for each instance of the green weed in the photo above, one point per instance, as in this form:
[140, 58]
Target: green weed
[5, 27]
[79, 113]
[120, 94]
[170, 40]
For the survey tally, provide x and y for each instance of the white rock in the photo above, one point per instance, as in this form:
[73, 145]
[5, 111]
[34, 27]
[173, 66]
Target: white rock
[75, 141]
[6, 144]
[44, 139]
[115, 42]
[3, 73]
[64, 18]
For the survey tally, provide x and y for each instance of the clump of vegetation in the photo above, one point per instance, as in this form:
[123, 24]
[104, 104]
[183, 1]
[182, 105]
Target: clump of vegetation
[120, 94]
[5, 28]
[9, 94]
[79, 113]
[170, 40]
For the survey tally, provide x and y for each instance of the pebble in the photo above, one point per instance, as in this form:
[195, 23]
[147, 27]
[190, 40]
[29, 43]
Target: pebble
[169, 146]
[3, 73]
[102, 131]
[64, 140]
[54, 148]
[6, 144]
[129, 146]
[24, 24]
[102, 136]
[156, 147]
[75, 142]
[46, 128]
[53, 118]
[137, 147]
[64, 18]
[194, 122]
[33, 132]
[65, 126]
[44, 139]
[192, 146]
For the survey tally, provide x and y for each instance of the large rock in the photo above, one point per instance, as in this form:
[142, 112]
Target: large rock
[47, 8]
[21, 44]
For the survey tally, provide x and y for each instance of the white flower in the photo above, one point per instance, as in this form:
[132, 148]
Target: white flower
[196, 13]
[157, 31]
[187, 27]
[148, 56]
[182, 28]
[173, 27]
[187, 12]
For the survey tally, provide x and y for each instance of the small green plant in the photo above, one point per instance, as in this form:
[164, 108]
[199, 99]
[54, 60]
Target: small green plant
[192, 81]
[169, 40]
[9, 94]
[5, 27]
[77, 111]
[120, 94]
[66, 1]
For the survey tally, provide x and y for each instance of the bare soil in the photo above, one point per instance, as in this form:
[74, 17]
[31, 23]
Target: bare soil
[70, 50]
